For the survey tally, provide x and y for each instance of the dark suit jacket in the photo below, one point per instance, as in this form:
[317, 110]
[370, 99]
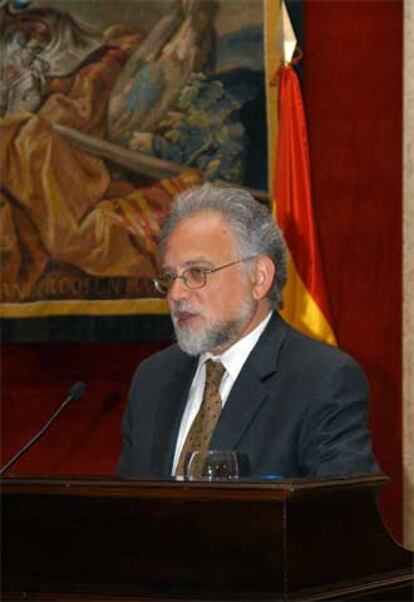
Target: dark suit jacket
[298, 408]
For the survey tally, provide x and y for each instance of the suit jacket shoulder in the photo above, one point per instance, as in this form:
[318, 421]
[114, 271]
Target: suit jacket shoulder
[298, 408]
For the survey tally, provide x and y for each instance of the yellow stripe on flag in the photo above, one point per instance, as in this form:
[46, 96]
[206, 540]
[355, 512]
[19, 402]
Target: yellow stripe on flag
[301, 310]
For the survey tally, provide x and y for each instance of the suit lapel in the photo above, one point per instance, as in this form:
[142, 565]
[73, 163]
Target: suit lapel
[170, 408]
[246, 397]
[250, 390]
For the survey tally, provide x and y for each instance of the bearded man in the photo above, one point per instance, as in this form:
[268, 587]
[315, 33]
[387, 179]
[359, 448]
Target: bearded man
[291, 405]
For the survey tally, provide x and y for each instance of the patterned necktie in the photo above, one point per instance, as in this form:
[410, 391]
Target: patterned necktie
[201, 430]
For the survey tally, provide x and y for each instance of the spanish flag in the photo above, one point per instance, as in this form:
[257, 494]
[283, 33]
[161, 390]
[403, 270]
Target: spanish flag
[305, 300]
[306, 304]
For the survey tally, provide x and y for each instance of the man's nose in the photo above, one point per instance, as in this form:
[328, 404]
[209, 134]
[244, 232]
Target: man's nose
[178, 290]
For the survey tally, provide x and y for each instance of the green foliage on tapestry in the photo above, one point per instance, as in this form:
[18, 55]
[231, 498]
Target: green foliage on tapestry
[203, 131]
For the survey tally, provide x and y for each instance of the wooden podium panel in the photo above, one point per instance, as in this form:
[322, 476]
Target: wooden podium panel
[168, 540]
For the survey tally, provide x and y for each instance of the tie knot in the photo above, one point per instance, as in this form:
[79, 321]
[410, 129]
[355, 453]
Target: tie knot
[214, 373]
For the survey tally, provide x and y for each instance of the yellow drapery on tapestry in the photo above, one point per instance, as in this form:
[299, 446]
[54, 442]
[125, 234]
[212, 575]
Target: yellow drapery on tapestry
[60, 209]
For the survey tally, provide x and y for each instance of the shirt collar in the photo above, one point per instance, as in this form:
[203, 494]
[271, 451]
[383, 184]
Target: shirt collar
[235, 356]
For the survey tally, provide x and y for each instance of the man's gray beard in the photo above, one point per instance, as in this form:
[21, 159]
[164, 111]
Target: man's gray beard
[196, 341]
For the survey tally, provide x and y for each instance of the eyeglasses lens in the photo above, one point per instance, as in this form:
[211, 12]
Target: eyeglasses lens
[194, 277]
[163, 283]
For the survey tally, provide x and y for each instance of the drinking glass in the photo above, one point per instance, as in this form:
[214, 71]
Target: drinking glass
[212, 465]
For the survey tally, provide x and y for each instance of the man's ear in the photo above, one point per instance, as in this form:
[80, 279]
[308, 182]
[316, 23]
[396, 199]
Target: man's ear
[263, 276]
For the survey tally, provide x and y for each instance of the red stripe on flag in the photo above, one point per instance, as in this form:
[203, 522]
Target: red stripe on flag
[292, 189]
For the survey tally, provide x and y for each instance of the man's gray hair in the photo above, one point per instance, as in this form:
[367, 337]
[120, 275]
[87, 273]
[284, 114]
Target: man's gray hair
[255, 230]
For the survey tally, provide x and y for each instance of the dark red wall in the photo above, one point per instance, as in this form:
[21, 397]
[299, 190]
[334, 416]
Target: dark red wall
[353, 95]
[353, 82]
[86, 439]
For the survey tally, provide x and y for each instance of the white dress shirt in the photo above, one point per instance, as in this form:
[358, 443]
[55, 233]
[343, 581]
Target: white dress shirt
[233, 360]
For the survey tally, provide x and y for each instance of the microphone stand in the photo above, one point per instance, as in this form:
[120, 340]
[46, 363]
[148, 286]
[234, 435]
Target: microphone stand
[76, 391]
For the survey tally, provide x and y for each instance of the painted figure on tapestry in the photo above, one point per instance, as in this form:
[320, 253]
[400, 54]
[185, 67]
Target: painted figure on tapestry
[104, 118]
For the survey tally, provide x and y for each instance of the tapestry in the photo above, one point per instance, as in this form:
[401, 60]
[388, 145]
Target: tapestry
[108, 110]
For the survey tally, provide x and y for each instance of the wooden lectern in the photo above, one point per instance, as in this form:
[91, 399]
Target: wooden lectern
[86, 539]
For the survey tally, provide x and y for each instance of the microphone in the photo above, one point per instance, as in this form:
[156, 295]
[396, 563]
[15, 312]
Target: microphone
[76, 391]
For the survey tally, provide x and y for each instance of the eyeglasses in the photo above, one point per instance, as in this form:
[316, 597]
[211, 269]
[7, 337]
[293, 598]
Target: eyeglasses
[194, 277]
